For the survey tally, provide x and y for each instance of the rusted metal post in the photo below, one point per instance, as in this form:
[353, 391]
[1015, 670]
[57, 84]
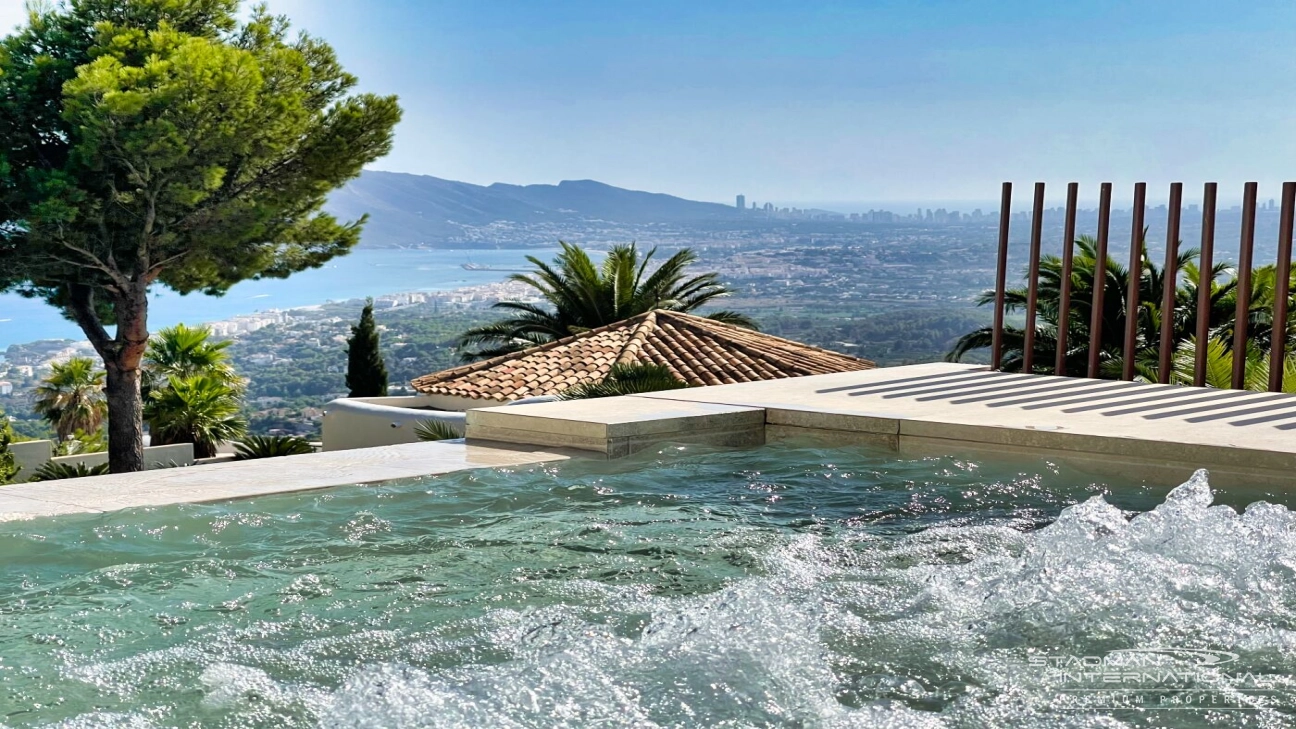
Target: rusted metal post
[1001, 278]
[1242, 315]
[1132, 297]
[1032, 279]
[1206, 265]
[1100, 279]
[1282, 290]
[1170, 274]
[1068, 258]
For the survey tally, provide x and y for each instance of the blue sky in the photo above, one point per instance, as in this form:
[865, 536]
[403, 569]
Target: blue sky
[821, 101]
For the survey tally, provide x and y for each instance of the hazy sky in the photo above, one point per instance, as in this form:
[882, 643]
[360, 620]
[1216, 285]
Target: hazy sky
[819, 101]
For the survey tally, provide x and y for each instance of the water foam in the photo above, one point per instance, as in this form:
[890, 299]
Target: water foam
[837, 628]
[862, 632]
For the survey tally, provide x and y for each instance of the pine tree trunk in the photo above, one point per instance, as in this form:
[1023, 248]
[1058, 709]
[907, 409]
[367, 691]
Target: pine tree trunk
[125, 406]
[125, 418]
[121, 356]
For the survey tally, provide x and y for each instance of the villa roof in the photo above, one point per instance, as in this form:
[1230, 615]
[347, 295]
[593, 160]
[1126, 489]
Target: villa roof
[697, 350]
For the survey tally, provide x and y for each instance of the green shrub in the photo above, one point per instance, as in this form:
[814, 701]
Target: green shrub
[271, 446]
[81, 442]
[57, 471]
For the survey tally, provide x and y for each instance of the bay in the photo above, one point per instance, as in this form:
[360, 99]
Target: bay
[365, 272]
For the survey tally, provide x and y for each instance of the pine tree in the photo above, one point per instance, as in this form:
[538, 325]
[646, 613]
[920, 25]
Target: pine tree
[366, 373]
[169, 144]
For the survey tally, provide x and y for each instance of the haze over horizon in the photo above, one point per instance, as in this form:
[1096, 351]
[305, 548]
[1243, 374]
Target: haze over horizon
[791, 103]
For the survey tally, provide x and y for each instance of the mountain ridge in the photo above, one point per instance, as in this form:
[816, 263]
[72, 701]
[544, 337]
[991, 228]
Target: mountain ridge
[408, 210]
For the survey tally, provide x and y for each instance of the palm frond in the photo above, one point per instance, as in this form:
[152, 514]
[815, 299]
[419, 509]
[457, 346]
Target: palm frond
[59, 470]
[434, 430]
[72, 397]
[735, 318]
[580, 296]
[254, 447]
[627, 379]
[201, 410]
[182, 351]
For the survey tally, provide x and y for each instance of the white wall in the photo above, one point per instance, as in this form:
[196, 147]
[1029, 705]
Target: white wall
[369, 422]
[31, 455]
[449, 403]
[362, 423]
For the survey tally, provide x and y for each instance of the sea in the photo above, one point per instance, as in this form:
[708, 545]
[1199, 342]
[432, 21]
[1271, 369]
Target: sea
[365, 272]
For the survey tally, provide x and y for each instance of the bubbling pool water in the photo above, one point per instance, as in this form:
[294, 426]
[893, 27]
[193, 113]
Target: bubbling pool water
[784, 587]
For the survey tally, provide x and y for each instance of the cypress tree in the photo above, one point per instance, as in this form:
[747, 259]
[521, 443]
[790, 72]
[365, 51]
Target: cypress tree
[8, 465]
[366, 373]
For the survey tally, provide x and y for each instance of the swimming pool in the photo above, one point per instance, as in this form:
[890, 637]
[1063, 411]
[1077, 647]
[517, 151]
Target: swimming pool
[788, 585]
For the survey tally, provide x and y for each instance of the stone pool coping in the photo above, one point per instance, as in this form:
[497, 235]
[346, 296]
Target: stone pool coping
[243, 479]
[1127, 431]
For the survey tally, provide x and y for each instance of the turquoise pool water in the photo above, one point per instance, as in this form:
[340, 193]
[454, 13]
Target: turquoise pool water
[786, 586]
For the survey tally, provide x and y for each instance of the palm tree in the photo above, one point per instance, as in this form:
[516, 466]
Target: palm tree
[1111, 344]
[183, 351]
[583, 296]
[1219, 366]
[1260, 316]
[182, 354]
[202, 410]
[71, 398]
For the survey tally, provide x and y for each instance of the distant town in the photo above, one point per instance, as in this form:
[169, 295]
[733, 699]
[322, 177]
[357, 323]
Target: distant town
[940, 216]
[1190, 214]
[894, 288]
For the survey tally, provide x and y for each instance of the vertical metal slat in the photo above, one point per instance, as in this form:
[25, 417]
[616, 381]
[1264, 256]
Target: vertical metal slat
[1032, 279]
[1282, 290]
[1100, 279]
[1068, 258]
[1205, 263]
[1170, 273]
[1132, 297]
[1242, 315]
[1001, 278]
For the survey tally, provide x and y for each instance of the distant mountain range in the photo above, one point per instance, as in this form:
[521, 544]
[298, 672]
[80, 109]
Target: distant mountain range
[413, 210]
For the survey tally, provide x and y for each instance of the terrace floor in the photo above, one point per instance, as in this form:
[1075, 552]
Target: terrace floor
[1156, 433]
[242, 479]
[1146, 430]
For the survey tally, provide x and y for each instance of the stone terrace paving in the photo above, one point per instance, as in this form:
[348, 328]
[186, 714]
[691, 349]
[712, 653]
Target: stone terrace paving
[1156, 432]
[1245, 438]
[243, 479]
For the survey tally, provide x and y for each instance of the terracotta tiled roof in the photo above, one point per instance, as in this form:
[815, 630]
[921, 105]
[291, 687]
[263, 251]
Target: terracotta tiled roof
[698, 350]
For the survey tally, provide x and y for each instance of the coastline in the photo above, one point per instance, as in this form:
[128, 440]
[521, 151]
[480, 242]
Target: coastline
[366, 272]
[477, 295]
